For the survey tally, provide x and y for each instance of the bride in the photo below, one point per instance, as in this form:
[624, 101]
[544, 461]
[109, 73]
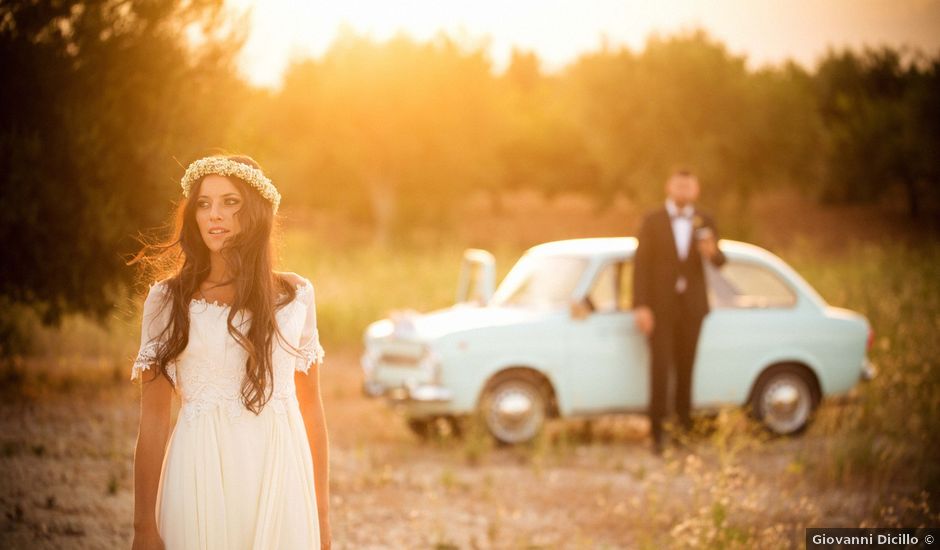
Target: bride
[246, 464]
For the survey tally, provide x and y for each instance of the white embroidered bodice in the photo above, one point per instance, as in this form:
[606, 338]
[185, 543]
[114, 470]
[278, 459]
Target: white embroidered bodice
[210, 371]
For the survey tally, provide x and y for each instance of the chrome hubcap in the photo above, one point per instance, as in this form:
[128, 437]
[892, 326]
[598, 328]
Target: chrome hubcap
[515, 411]
[786, 403]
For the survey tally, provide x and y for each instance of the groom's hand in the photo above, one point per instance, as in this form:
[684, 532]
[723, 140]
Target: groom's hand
[707, 246]
[644, 319]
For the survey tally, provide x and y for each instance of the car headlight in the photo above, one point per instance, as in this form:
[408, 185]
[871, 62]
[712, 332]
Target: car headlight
[379, 329]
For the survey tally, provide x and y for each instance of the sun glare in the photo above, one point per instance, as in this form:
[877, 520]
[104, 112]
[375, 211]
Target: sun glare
[560, 30]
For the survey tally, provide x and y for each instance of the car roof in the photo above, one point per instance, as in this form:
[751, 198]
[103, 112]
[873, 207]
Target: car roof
[604, 248]
[618, 246]
[591, 246]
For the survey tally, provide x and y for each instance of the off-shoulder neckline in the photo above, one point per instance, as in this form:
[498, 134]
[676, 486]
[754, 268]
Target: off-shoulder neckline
[301, 288]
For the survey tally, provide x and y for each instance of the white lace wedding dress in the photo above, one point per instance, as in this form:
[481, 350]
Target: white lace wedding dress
[231, 479]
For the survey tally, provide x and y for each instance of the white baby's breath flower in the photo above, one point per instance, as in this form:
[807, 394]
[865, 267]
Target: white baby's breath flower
[227, 167]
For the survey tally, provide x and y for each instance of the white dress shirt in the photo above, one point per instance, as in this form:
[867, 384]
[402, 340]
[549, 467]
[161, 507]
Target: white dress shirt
[681, 219]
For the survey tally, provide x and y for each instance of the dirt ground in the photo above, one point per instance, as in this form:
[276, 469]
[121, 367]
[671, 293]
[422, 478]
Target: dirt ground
[67, 479]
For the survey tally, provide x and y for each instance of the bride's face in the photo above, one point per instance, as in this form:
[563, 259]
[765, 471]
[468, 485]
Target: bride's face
[216, 205]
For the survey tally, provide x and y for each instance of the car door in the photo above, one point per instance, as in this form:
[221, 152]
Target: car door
[607, 356]
[752, 315]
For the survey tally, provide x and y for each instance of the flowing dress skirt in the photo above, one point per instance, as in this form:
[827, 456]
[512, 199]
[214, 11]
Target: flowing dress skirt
[238, 482]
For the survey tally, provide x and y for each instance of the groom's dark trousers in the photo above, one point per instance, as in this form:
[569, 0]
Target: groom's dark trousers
[677, 316]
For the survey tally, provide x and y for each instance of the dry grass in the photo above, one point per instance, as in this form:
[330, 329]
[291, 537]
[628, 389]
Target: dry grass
[67, 457]
[68, 418]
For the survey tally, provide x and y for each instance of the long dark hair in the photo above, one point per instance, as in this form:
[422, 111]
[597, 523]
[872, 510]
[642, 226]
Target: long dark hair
[184, 262]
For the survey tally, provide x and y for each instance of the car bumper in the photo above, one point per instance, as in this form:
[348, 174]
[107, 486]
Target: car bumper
[408, 392]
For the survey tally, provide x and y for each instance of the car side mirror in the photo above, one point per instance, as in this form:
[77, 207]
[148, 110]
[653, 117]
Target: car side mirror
[579, 309]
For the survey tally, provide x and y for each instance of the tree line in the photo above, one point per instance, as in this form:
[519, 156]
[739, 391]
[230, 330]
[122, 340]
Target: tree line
[103, 105]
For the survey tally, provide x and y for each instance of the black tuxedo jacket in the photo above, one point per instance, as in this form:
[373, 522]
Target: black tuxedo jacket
[656, 266]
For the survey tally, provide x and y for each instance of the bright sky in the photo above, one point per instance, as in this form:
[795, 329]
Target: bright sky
[767, 31]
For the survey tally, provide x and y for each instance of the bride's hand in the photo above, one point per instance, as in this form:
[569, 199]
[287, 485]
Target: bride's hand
[326, 538]
[147, 540]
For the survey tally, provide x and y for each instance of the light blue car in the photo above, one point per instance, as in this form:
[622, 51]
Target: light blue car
[557, 339]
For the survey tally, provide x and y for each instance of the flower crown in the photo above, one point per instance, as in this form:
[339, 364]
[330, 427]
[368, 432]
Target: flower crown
[227, 167]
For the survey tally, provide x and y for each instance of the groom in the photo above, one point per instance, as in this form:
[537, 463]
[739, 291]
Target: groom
[670, 298]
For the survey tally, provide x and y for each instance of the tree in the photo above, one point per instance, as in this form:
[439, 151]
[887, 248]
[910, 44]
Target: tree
[98, 100]
[879, 112]
[544, 147]
[683, 101]
[401, 130]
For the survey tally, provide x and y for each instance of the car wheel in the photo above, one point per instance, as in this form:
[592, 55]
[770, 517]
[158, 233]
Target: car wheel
[784, 400]
[513, 409]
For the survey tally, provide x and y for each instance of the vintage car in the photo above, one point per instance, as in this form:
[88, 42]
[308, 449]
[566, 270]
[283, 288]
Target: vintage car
[557, 339]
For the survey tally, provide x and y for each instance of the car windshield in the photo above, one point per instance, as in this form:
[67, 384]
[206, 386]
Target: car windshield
[540, 282]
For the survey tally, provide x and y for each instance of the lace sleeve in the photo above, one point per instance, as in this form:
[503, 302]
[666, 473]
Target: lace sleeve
[151, 326]
[310, 349]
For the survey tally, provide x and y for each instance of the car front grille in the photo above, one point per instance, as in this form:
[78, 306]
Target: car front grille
[399, 360]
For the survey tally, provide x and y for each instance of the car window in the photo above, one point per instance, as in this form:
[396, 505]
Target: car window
[613, 288]
[747, 285]
[540, 282]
